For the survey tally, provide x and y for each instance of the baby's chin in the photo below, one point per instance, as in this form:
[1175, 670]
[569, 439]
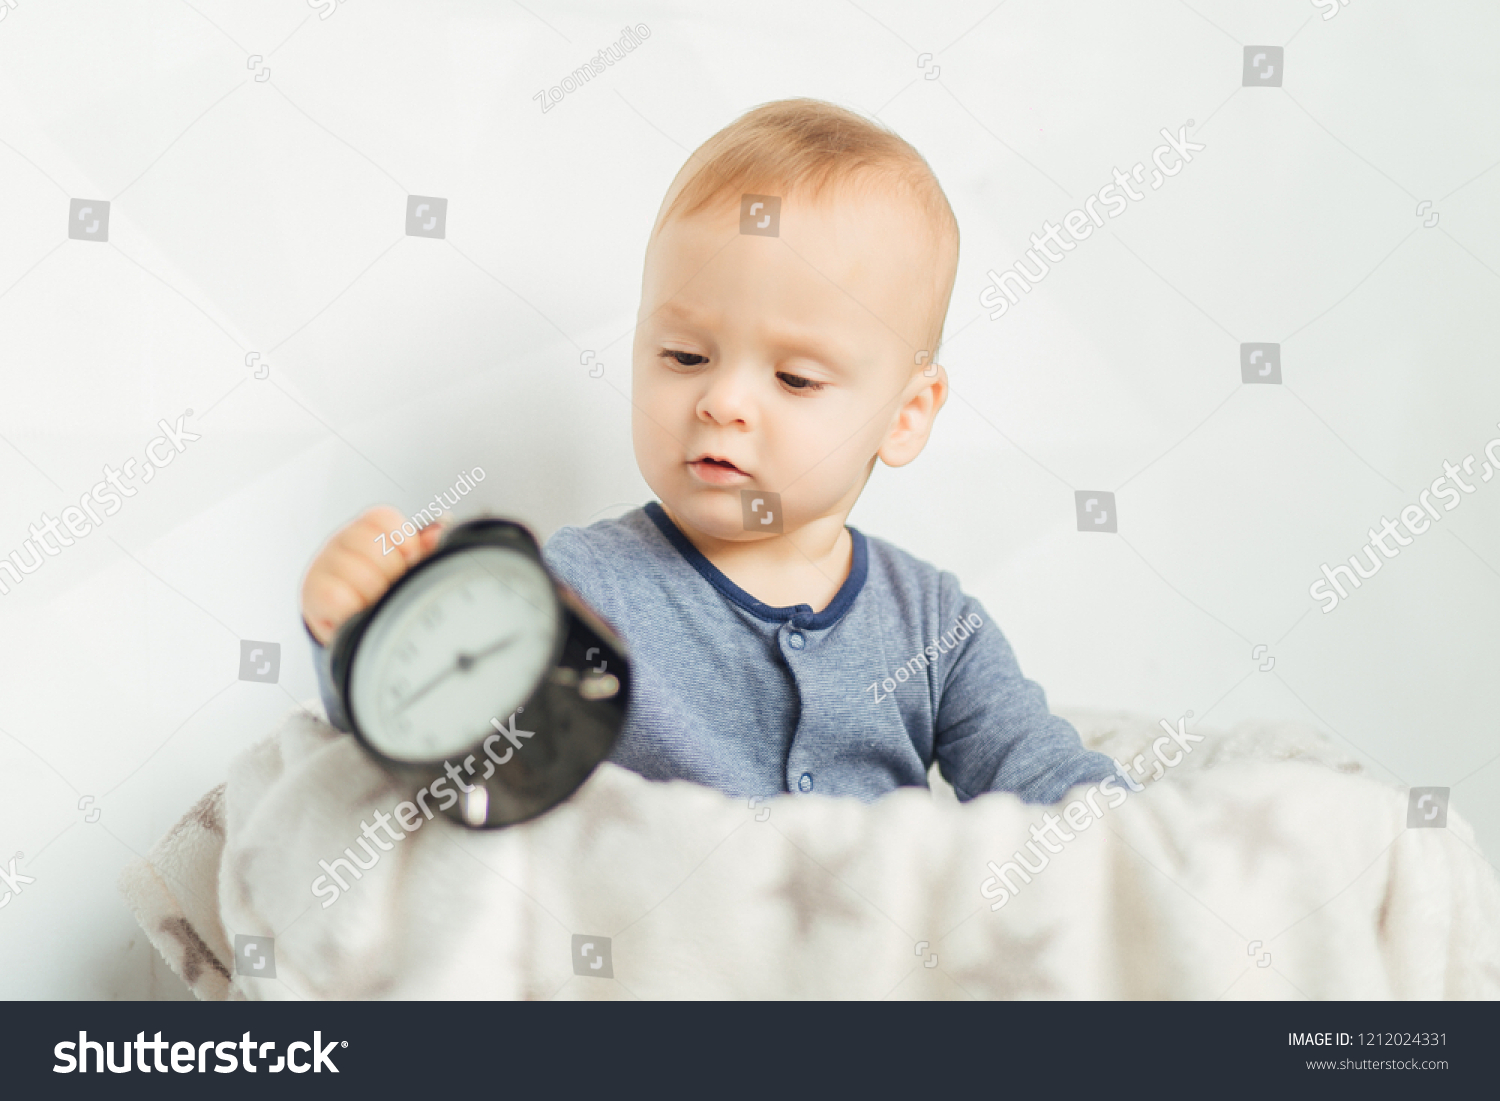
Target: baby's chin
[716, 513]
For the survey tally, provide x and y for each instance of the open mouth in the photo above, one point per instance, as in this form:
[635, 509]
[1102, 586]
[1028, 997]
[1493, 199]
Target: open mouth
[716, 470]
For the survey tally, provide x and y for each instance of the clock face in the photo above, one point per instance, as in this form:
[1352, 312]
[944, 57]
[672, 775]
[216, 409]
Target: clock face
[457, 645]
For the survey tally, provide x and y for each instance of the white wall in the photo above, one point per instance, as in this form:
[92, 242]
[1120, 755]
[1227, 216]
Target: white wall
[268, 216]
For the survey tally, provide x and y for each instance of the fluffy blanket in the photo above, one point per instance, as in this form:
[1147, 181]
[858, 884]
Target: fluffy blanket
[1263, 864]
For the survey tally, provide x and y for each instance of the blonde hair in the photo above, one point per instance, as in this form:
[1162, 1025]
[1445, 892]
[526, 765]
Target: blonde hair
[808, 146]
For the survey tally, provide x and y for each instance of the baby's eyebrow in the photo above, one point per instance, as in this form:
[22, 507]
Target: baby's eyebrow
[817, 345]
[682, 312]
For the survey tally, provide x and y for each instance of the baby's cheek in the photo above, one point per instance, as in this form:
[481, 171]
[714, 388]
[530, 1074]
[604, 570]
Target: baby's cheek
[653, 442]
[654, 457]
[834, 449]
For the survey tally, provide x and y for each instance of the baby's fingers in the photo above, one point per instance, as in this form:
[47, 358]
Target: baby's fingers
[335, 601]
[379, 537]
[430, 536]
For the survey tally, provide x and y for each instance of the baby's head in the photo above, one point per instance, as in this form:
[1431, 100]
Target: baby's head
[798, 343]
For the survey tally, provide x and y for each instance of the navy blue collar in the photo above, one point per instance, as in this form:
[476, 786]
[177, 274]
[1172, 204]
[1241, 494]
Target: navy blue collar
[801, 613]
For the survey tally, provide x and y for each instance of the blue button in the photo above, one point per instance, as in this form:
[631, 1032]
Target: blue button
[805, 783]
[795, 641]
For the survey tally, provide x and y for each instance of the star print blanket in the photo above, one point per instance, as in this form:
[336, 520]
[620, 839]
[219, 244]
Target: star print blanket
[1257, 863]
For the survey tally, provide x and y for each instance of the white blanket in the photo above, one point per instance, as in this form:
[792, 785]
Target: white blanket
[1264, 865]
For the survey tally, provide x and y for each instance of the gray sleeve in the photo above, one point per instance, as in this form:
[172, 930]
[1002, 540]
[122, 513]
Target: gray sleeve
[331, 702]
[993, 730]
[569, 555]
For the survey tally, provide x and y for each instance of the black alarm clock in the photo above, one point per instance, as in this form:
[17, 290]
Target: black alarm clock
[479, 669]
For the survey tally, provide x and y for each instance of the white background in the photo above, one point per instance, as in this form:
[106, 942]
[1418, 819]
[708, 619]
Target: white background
[268, 216]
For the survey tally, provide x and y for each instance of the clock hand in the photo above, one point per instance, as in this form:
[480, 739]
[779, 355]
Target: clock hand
[462, 663]
[433, 683]
[486, 652]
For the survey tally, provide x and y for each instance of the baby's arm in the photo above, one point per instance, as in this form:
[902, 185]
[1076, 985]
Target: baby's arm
[993, 729]
[352, 571]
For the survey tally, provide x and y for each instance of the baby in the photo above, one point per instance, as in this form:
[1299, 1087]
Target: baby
[796, 284]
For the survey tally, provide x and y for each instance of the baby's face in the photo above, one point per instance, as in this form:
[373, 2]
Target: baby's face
[781, 363]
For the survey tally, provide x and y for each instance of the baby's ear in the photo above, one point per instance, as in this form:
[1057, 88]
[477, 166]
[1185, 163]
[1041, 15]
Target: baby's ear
[913, 423]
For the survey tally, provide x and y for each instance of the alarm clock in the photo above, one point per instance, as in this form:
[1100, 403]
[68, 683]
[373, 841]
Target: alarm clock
[479, 669]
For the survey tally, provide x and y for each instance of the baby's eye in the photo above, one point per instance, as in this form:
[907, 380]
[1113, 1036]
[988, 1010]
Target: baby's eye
[797, 382]
[678, 358]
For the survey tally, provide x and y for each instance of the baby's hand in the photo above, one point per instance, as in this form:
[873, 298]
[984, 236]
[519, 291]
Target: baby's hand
[357, 566]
